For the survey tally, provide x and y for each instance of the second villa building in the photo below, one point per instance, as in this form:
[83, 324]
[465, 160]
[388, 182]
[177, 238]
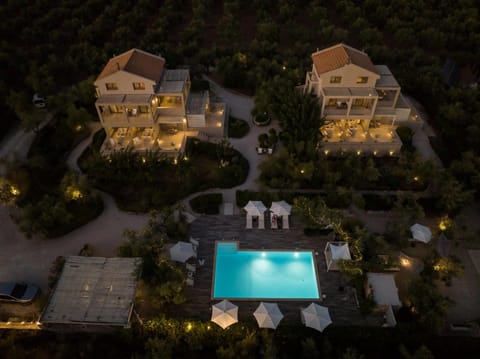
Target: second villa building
[361, 103]
[143, 105]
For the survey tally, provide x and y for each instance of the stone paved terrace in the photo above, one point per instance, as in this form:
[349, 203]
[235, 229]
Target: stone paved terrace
[208, 229]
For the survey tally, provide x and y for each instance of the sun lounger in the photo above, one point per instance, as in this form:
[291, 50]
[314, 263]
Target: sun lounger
[249, 222]
[194, 241]
[273, 221]
[190, 267]
[261, 222]
[190, 282]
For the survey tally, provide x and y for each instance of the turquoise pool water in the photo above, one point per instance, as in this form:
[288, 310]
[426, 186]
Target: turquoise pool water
[264, 274]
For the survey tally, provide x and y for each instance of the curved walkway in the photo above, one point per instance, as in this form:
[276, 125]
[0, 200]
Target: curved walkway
[239, 106]
[29, 260]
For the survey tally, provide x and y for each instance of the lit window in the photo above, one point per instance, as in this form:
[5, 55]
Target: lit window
[138, 86]
[335, 79]
[111, 86]
[362, 80]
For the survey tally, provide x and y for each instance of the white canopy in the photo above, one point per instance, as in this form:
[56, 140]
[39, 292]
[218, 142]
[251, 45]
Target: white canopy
[421, 233]
[384, 289]
[268, 315]
[315, 316]
[224, 314]
[335, 251]
[281, 208]
[182, 251]
[255, 208]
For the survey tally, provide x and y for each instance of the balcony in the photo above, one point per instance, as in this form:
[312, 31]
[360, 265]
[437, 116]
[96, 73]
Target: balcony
[361, 111]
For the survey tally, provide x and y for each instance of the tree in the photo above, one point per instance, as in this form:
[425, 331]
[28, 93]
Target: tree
[310, 349]
[452, 194]
[30, 117]
[299, 117]
[428, 305]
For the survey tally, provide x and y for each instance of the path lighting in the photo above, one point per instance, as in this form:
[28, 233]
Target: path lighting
[405, 262]
[326, 152]
[78, 128]
[144, 159]
[175, 161]
[14, 190]
[359, 153]
[189, 327]
[302, 171]
[391, 153]
[375, 152]
[416, 178]
[445, 223]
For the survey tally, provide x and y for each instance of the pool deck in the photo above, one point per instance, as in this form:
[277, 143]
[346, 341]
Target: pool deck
[339, 296]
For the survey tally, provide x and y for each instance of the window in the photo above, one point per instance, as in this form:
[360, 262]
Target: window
[115, 109]
[138, 86]
[362, 80]
[111, 86]
[335, 79]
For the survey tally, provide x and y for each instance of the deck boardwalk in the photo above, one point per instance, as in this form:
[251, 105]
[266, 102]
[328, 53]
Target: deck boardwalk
[339, 297]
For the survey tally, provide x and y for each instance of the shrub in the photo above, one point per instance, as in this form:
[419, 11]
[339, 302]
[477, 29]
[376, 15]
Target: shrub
[375, 202]
[237, 128]
[207, 203]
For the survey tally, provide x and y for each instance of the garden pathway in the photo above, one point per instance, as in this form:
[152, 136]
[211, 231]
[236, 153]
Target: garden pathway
[420, 137]
[72, 160]
[240, 106]
[29, 259]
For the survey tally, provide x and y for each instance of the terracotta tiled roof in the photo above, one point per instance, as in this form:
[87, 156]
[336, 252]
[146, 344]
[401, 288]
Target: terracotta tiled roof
[338, 56]
[137, 62]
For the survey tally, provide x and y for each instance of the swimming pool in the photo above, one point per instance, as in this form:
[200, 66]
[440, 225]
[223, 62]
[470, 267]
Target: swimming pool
[265, 274]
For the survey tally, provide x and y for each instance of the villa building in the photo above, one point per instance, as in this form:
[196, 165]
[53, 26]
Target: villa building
[361, 102]
[143, 105]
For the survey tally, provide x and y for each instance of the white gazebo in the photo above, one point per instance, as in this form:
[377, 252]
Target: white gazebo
[224, 314]
[334, 251]
[268, 315]
[255, 209]
[182, 251]
[383, 289]
[421, 233]
[315, 316]
[280, 209]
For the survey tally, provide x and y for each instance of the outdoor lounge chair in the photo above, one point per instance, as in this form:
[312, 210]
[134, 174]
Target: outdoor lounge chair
[190, 267]
[194, 241]
[273, 221]
[261, 222]
[190, 282]
[249, 222]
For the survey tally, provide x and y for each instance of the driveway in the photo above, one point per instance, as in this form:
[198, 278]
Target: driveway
[29, 260]
[240, 106]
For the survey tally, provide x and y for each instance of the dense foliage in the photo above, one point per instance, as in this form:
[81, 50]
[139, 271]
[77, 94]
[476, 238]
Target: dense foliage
[207, 203]
[144, 181]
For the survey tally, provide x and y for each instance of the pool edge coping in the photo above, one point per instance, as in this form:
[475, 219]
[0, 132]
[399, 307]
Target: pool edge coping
[237, 243]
